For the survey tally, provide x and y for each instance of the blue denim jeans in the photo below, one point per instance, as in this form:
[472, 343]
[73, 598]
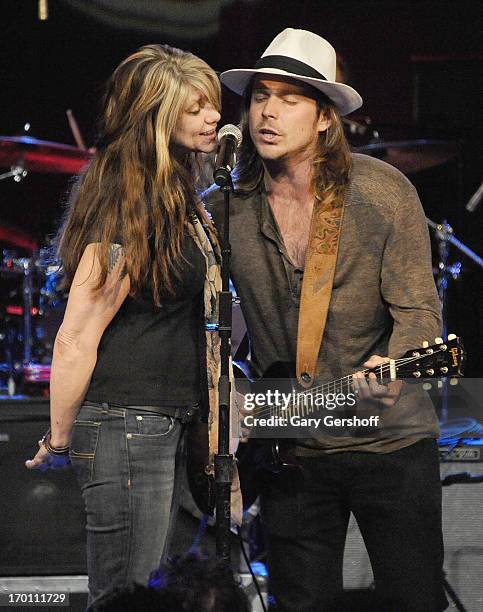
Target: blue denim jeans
[125, 461]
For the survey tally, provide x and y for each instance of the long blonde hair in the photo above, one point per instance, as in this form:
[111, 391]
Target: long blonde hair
[134, 189]
[331, 163]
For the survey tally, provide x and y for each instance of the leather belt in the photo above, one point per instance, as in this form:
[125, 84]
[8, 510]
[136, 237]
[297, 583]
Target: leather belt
[183, 413]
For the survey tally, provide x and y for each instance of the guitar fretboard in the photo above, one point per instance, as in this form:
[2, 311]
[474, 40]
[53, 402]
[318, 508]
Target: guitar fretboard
[304, 403]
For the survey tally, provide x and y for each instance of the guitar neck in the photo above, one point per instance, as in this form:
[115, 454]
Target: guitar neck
[339, 387]
[445, 358]
[393, 369]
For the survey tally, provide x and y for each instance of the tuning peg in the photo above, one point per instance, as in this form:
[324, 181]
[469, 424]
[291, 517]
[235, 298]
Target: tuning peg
[453, 382]
[438, 340]
[425, 344]
[451, 336]
[427, 386]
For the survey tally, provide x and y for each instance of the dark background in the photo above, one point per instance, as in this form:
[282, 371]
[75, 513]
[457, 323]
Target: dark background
[417, 65]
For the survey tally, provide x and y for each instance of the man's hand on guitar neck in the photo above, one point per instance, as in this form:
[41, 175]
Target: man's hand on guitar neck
[368, 388]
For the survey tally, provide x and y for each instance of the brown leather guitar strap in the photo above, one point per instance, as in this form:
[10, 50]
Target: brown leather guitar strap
[317, 283]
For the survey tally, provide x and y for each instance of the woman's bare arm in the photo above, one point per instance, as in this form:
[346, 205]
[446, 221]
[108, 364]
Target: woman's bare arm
[87, 315]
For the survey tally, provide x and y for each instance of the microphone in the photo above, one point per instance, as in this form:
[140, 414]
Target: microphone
[229, 139]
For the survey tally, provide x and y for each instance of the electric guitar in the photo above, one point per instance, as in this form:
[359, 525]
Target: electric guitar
[443, 359]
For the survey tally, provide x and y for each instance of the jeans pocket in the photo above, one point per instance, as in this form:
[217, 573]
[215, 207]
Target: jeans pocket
[83, 447]
[153, 425]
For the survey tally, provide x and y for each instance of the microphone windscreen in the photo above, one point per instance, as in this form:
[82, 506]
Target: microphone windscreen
[231, 130]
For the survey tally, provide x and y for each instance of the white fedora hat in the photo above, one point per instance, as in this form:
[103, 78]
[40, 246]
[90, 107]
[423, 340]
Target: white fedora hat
[304, 56]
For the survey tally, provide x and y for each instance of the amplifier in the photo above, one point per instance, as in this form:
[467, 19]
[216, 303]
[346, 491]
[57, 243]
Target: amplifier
[468, 449]
[462, 532]
[42, 531]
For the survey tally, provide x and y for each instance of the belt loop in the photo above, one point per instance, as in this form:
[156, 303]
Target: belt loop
[189, 414]
[105, 407]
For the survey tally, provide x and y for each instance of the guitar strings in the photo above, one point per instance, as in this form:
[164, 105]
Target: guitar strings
[325, 388]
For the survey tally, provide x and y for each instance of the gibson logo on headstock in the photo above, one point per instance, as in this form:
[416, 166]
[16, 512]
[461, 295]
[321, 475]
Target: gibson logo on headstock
[454, 353]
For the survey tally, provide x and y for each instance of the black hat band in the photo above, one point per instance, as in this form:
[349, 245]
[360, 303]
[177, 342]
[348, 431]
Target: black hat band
[282, 62]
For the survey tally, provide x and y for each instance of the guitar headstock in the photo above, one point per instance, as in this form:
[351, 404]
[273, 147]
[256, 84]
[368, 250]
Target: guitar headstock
[444, 358]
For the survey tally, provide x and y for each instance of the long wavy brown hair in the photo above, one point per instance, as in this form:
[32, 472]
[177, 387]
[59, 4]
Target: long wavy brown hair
[134, 189]
[332, 161]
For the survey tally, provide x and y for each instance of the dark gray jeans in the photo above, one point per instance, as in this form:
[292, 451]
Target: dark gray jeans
[125, 461]
[396, 499]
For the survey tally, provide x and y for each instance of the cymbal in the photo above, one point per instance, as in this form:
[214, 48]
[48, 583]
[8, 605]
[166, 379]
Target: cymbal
[411, 156]
[16, 237]
[41, 155]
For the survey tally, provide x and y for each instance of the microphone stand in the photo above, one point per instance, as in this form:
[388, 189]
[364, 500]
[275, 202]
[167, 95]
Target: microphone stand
[223, 459]
[444, 232]
[445, 236]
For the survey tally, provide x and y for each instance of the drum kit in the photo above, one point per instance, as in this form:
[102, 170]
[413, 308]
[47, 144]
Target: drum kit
[31, 306]
[31, 303]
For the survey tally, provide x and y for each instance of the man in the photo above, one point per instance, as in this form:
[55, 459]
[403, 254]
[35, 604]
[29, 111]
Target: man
[295, 160]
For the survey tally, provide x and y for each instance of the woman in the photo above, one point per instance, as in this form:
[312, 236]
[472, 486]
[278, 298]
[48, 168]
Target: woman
[126, 366]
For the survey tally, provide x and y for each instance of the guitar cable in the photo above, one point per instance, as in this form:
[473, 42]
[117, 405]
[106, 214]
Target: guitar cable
[254, 578]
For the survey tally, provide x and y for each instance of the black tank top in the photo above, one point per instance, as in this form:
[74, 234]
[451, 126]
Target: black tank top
[150, 356]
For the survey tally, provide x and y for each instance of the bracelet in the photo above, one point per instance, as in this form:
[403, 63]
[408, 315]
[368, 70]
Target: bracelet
[53, 450]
